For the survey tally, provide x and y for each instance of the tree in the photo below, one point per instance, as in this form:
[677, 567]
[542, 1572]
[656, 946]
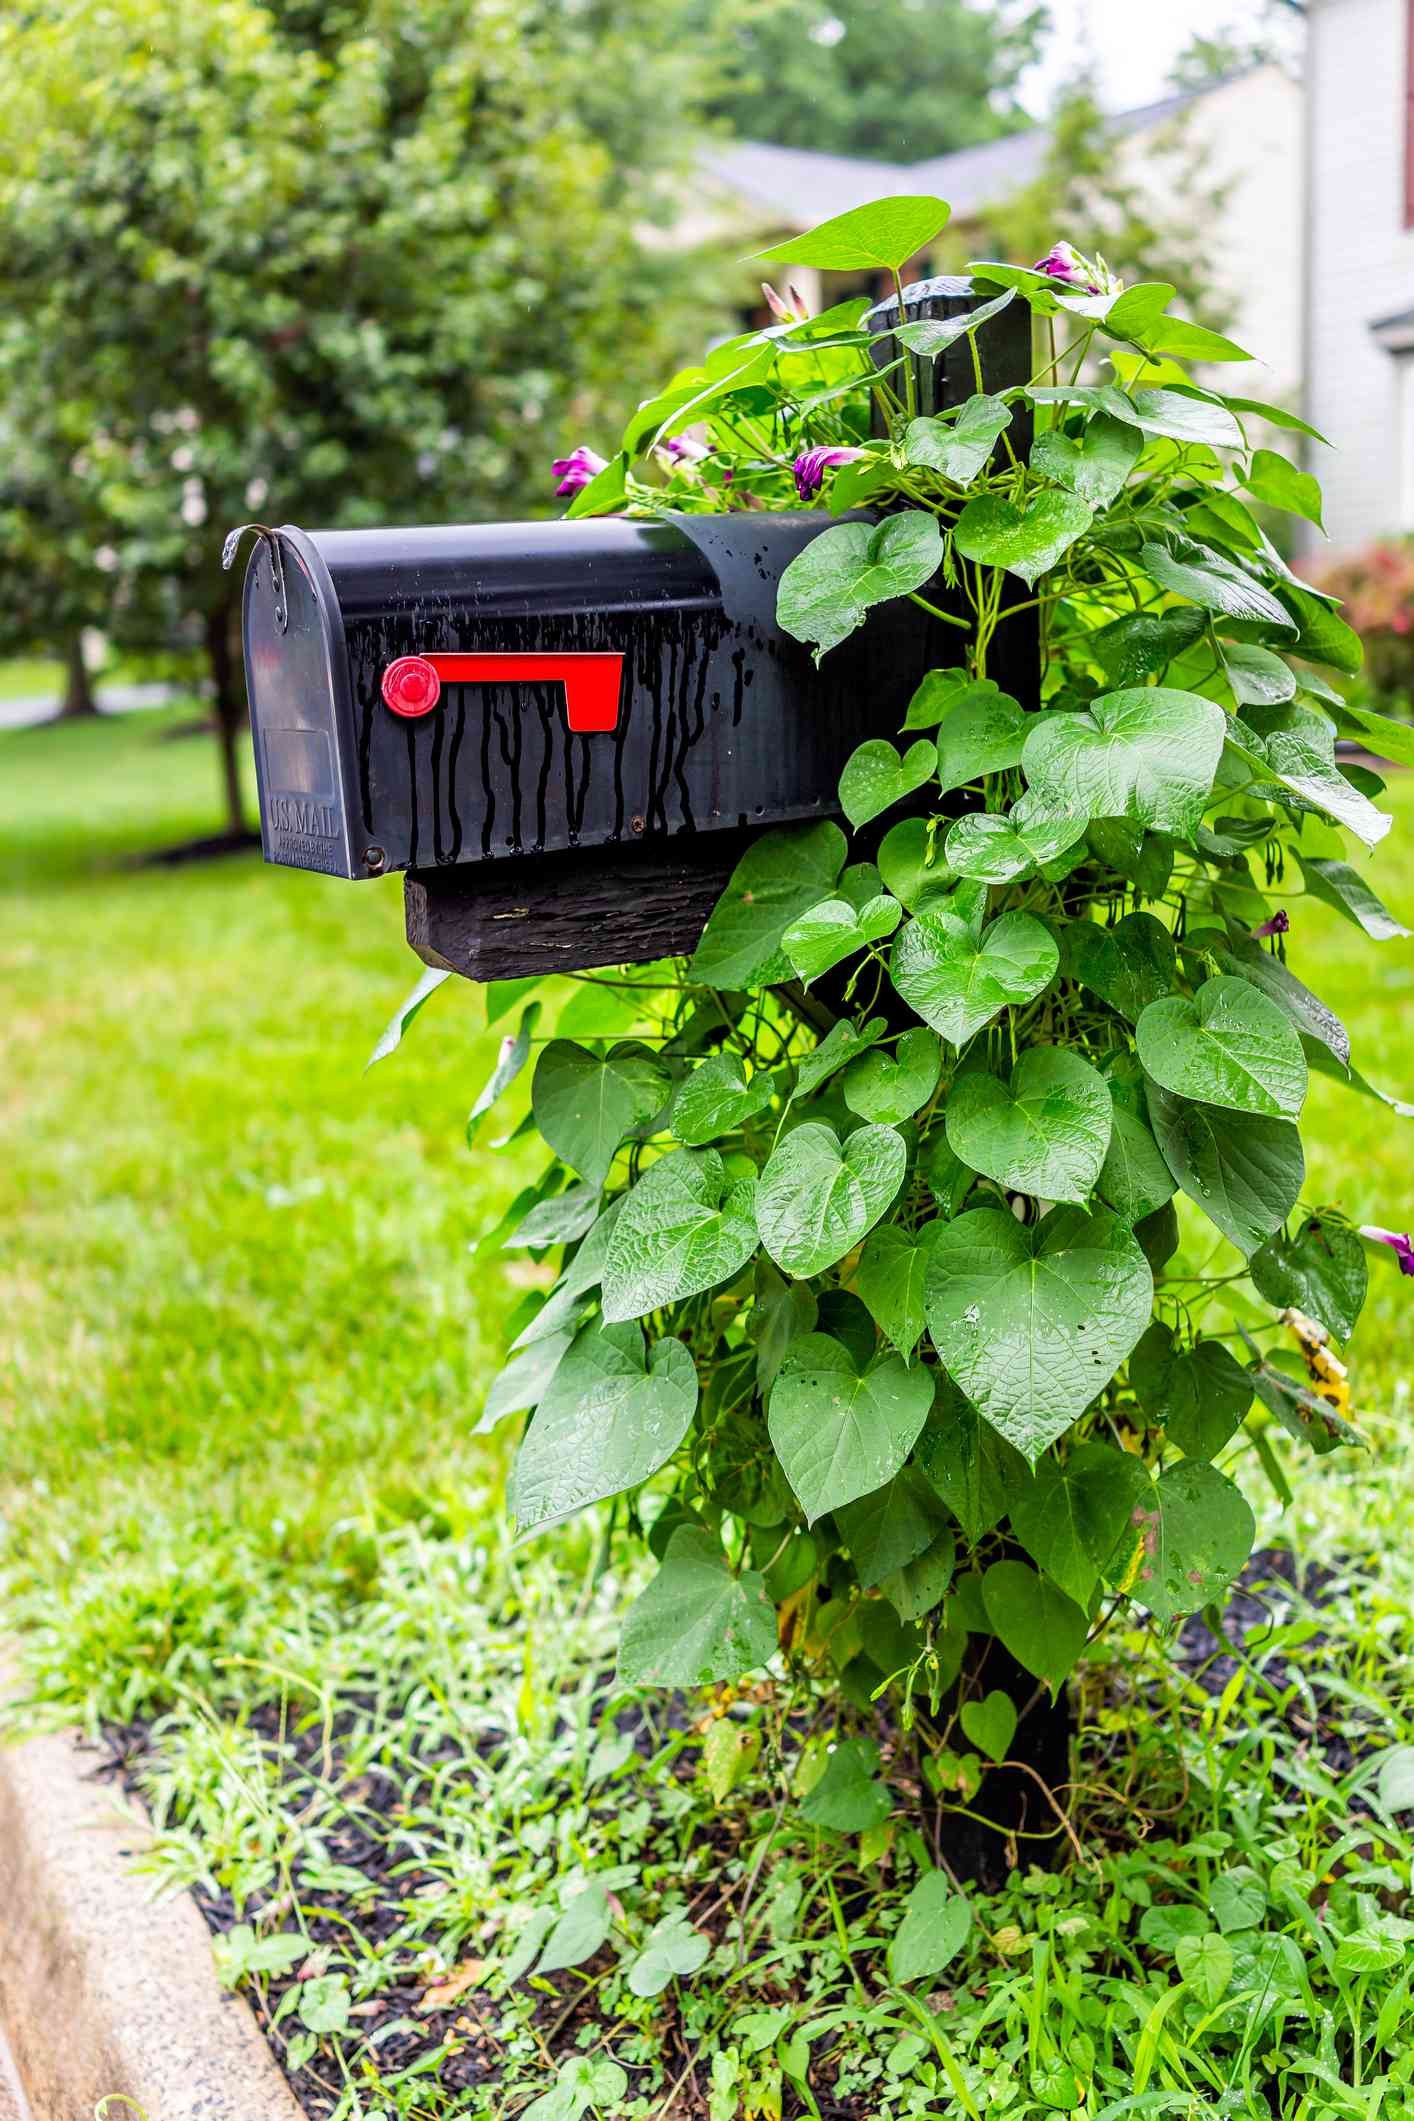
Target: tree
[346, 265]
[1205, 59]
[1159, 229]
[896, 79]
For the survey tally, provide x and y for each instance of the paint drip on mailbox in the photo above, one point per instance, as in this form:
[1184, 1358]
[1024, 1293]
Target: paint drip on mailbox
[465, 694]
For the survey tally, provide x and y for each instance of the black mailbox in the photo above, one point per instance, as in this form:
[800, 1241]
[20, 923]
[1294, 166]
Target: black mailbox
[563, 731]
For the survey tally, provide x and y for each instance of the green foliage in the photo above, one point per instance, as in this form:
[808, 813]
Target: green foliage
[860, 77]
[338, 264]
[925, 1353]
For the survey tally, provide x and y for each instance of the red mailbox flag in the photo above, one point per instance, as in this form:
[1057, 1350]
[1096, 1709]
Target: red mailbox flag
[413, 684]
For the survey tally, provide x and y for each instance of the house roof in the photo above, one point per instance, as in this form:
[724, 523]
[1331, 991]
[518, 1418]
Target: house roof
[800, 186]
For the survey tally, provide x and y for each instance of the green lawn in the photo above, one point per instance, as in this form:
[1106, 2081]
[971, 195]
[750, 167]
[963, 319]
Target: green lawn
[238, 1290]
[243, 1346]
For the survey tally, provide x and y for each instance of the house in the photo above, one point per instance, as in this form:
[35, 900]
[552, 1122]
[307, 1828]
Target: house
[1247, 127]
[1359, 276]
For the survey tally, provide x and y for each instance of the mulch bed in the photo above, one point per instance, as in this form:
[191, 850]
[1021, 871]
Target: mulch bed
[1272, 1589]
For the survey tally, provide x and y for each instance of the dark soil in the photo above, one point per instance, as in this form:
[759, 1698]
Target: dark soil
[1272, 1590]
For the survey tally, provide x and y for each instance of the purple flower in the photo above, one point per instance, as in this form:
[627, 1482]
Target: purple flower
[810, 468]
[682, 449]
[575, 471]
[1399, 1242]
[793, 311]
[1279, 924]
[1065, 263]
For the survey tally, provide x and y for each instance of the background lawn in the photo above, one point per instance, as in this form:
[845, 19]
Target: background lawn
[238, 1290]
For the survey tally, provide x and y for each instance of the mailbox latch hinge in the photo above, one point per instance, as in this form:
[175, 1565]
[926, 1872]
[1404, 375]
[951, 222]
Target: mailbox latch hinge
[277, 565]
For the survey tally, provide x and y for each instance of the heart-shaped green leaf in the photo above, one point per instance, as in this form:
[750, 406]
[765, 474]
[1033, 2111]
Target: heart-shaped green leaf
[879, 237]
[1148, 753]
[959, 447]
[1337, 885]
[584, 1103]
[833, 931]
[683, 1228]
[1096, 466]
[1075, 1512]
[696, 1624]
[981, 732]
[957, 981]
[1197, 1532]
[672, 1950]
[780, 875]
[716, 1099]
[1197, 1394]
[1244, 1171]
[1045, 1132]
[1257, 677]
[887, 1087]
[607, 1422]
[828, 588]
[1143, 643]
[875, 777]
[816, 1200]
[782, 1312]
[975, 1470]
[843, 1043]
[990, 1724]
[889, 1281]
[1205, 1964]
[912, 866]
[1134, 1180]
[1226, 1045]
[888, 1530]
[840, 1432]
[1128, 966]
[1212, 581]
[1320, 1268]
[1033, 1322]
[1296, 749]
[936, 1921]
[1184, 418]
[1277, 483]
[994, 849]
[943, 693]
[849, 1798]
[1026, 541]
[931, 336]
[1044, 1630]
[1322, 635]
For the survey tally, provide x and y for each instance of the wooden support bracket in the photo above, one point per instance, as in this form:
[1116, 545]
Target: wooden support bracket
[621, 905]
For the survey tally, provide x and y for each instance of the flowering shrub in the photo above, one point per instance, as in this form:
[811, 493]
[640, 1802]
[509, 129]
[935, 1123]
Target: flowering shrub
[876, 1308]
[1377, 586]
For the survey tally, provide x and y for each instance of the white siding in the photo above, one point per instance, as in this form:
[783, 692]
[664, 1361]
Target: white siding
[1362, 261]
[1250, 131]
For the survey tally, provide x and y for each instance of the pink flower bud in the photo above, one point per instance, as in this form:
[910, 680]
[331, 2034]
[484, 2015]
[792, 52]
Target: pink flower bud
[575, 471]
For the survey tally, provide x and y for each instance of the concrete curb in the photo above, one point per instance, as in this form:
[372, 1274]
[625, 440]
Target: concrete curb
[103, 1989]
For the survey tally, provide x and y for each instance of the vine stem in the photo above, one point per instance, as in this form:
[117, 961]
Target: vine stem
[910, 380]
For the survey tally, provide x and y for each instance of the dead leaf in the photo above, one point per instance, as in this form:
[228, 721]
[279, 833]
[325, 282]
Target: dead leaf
[461, 1978]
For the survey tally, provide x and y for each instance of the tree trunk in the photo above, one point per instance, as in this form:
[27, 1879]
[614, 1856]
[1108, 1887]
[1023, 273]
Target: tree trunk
[230, 715]
[78, 688]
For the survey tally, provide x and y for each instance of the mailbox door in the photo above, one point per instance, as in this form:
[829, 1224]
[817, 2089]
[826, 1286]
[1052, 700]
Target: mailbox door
[297, 679]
